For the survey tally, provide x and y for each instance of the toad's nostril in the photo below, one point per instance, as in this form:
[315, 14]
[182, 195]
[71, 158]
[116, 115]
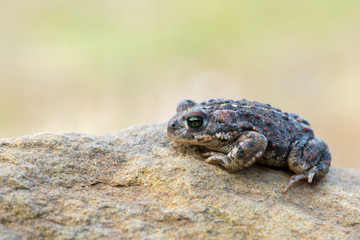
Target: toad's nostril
[173, 125]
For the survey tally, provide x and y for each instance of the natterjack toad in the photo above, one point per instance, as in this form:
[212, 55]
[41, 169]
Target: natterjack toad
[240, 133]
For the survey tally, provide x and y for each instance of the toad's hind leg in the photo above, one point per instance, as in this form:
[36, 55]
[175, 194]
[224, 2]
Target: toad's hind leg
[309, 158]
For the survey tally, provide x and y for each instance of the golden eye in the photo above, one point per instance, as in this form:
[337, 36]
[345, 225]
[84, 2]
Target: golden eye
[195, 122]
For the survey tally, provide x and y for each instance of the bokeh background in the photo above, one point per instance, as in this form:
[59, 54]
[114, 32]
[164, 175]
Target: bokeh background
[99, 66]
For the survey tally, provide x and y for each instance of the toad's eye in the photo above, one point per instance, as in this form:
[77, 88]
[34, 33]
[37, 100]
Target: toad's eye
[195, 122]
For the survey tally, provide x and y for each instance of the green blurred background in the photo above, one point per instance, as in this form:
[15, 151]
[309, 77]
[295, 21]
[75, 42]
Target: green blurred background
[99, 66]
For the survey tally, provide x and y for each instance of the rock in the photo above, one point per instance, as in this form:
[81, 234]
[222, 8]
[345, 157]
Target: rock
[136, 184]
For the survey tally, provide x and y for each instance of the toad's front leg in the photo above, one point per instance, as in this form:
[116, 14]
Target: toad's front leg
[249, 147]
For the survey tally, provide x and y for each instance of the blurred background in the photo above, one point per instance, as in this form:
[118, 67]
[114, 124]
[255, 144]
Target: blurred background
[99, 66]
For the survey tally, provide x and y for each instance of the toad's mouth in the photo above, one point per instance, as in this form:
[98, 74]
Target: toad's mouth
[203, 138]
[190, 138]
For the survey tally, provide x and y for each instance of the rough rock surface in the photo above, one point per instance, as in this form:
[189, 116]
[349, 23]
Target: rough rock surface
[136, 184]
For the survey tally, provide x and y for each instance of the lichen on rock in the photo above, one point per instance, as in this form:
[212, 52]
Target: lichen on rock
[137, 184]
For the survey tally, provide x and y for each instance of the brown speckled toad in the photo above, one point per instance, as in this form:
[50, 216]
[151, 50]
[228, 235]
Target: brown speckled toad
[240, 133]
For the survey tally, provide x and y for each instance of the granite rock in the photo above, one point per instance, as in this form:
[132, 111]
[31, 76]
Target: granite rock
[137, 184]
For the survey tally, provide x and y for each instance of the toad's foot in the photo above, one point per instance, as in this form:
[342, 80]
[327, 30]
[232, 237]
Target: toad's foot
[309, 175]
[216, 158]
